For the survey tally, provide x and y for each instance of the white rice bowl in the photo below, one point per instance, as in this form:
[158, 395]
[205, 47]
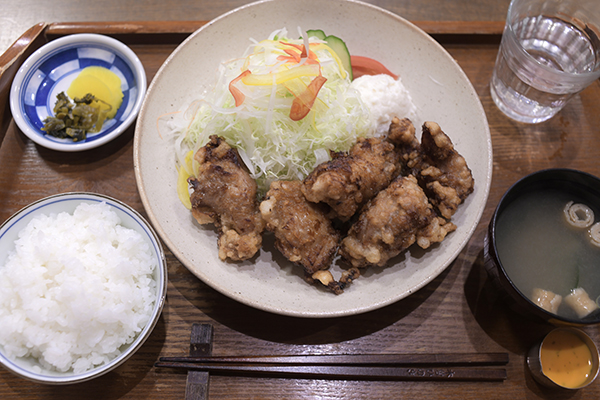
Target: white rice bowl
[82, 285]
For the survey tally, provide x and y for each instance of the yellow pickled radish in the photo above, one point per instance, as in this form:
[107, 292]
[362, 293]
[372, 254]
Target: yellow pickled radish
[183, 173]
[103, 84]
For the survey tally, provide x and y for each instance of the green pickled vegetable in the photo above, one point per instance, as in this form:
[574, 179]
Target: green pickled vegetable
[75, 120]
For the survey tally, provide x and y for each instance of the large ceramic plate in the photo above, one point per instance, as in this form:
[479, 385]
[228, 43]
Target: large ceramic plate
[439, 88]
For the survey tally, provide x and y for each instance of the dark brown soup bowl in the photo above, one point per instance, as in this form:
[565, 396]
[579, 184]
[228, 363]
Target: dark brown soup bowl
[576, 183]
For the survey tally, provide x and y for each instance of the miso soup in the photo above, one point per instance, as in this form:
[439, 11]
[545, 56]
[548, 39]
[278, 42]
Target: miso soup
[539, 249]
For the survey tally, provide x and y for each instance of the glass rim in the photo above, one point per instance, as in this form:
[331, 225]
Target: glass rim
[514, 14]
[585, 76]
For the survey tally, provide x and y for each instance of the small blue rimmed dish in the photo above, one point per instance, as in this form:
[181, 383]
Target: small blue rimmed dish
[51, 69]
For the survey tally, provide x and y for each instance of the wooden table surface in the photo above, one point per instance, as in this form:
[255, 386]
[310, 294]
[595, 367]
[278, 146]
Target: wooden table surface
[459, 311]
[17, 16]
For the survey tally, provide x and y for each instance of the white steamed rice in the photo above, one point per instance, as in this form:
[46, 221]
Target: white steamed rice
[76, 288]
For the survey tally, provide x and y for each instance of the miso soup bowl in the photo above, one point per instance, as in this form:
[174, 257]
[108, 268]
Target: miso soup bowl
[570, 182]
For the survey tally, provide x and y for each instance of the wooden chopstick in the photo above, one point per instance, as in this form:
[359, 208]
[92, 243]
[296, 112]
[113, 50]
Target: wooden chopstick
[352, 366]
[348, 372]
[354, 359]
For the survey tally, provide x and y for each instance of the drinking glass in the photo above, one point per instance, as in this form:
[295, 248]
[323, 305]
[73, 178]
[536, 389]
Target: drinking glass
[550, 51]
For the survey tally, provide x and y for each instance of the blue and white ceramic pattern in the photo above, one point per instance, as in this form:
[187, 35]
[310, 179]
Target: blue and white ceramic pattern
[51, 69]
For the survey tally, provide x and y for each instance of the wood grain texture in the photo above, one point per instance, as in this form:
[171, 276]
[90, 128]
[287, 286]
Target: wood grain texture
[141, 28]
[458, 310]
[18, 16]
[10, 62]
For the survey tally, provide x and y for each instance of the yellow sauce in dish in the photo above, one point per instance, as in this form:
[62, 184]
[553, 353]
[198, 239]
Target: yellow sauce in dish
[566, 359]
[101, 82]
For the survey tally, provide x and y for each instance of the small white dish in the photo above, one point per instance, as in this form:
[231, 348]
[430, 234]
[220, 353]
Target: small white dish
[51, 69]
[28, 367]
[439, 88]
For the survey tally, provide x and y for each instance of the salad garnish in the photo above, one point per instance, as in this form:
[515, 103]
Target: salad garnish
[283, 105]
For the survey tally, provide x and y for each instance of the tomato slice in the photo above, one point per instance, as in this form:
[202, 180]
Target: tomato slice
[367, 66]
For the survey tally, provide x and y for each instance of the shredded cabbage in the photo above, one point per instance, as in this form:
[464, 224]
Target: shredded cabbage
[271, 144]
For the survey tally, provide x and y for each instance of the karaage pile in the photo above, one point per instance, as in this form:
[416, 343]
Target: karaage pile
[386, 193]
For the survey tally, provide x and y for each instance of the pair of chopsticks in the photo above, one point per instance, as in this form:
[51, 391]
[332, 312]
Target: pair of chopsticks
[450, 366]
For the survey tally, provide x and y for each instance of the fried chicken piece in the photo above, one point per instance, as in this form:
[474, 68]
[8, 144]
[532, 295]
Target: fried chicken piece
[441, 170]
[224, 194]
[350, 180]
[444, 171]
[390, 223]
[435, 232]
[303, 233]
[402, 135]
[326, 278]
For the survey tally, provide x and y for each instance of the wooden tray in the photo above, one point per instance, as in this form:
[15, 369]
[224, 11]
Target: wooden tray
[457, 312]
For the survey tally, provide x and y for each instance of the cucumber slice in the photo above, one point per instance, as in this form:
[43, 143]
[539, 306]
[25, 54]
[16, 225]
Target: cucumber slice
[316, 33]
[341, 50]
